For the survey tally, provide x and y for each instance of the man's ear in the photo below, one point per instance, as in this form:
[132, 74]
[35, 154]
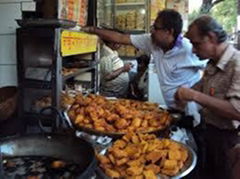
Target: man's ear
[212, 37]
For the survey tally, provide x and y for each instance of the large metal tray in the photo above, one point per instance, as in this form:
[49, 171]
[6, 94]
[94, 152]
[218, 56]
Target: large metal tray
[187, 168]
[158, 132]
[176, 116]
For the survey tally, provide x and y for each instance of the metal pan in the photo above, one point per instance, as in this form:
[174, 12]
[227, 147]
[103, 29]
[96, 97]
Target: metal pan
[187, 168]
[115, 135]
[175, 115]
[63, 147]
[158, 132]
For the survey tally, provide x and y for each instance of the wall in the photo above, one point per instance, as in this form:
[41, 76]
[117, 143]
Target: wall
[9, 11]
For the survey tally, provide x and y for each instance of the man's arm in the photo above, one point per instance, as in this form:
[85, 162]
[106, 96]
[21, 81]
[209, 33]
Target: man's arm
[109, 35]
[218, 106]
[117, 72]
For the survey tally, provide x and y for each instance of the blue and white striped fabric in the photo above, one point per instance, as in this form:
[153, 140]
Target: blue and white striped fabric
[175, 68]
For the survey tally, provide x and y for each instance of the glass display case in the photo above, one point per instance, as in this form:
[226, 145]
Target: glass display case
[130, 16]
[126, 15]
[72, 10]
[105, 13]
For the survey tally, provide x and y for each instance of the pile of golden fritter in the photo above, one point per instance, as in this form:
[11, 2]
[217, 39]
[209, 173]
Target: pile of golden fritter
[143, 156]
[117, 116]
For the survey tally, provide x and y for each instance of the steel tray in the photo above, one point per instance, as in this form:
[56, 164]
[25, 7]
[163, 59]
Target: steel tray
[187, 168]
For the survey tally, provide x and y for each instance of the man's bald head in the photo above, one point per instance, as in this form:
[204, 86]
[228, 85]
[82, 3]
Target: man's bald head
[206, 24]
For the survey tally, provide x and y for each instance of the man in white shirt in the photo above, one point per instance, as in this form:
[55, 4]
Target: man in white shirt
[172, 54]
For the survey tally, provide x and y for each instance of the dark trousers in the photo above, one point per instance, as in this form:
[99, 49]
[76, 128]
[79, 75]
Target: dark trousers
[214, 147]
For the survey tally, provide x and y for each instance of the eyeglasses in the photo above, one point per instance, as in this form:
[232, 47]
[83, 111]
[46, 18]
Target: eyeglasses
[154, 27]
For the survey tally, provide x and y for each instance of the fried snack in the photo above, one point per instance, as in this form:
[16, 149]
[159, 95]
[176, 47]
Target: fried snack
[58, 164]
[112, 173]
[170, 164]
[174, 155]
[169, 172]
[155, 168]
[121, 161]
[117, 116]
[136, 177]
[135, 171]
[120, 144]
[103, 159]
[154, 156]
[149, 174]
[131, 157]
[118, 153]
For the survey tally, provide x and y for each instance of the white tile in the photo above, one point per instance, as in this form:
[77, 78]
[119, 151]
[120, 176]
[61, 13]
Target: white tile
[8, 75]
[8, 49]
[28, 6]
[8, 14]
[14, 1]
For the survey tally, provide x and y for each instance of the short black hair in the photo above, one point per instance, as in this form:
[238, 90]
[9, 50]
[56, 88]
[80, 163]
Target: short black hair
[206, 24]
[171, 19]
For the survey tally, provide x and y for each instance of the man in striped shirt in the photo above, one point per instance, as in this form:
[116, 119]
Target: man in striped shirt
[114, 73]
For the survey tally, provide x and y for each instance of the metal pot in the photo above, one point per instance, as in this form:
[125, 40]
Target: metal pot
[64, 147]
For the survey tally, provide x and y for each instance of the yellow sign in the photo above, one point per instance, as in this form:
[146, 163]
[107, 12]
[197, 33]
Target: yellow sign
[73, 43]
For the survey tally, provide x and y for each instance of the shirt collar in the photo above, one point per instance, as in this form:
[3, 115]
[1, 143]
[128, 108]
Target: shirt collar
[178, 42]
[226, 57]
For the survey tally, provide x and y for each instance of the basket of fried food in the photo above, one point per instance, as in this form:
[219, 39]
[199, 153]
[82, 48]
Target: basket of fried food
[114, 118]
[144, 156]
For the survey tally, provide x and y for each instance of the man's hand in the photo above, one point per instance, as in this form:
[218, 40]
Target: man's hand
[185, 94]
[127, 67]
[116, 73]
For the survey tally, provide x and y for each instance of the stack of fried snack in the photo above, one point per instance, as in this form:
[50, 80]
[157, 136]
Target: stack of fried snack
[131, 20]
[117, 116]
[68, 71]
[140, 20]
[143, 156]
[121, 21]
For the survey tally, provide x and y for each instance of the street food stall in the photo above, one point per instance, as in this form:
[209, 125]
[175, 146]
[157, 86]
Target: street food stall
[81, 134]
